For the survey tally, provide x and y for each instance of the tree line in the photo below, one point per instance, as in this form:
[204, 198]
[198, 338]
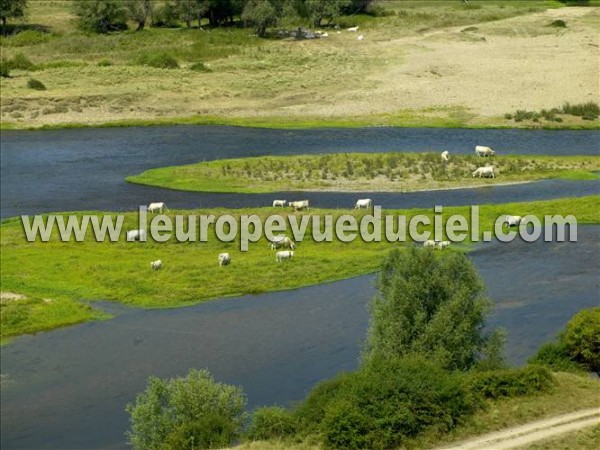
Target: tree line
[104, 16]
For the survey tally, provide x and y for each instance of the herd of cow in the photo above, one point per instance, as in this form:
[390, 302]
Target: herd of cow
[278, 242]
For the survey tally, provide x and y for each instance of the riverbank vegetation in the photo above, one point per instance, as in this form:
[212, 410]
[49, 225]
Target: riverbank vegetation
[366, 172]
[429, 374]
[221, 72]
[74, 273]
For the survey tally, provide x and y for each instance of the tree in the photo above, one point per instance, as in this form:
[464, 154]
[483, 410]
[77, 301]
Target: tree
[186, 413]
[430, 304]
[582, 338]
[260, 14]
[12, 9]
[139, 11]
[190, 10]
[101, 16]
[318, 10]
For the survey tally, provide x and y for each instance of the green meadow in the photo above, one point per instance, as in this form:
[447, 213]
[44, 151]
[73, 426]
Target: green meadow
[59, 278]
[358, 172]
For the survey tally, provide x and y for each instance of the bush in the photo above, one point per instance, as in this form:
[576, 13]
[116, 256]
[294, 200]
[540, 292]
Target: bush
[558, 23]
[582, 338]
[199, 67]
[185, 413]
[4, 69]
[589, 109]
[21, 62]
[159, 60]
[556, 357]
[104, 63]
[32, 83]
[511, 382]
[385, 402]
[271, 422]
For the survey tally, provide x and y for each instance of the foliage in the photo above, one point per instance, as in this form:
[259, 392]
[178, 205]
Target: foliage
[589, 110]
[21, 62]
[582, 338]
[199, 67]
[101, 16]
[511, 382]
[555, 355]
[32, 83]
[185, 413]
[429, 305]
[271, 422]
[12, 9]
[159, 60]
[4, 69]
[318, 10]
[384, 402]
[558, 23]
[260, 14]
[139, 11]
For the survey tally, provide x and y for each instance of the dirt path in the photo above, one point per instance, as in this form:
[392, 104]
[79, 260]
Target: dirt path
[534, 431]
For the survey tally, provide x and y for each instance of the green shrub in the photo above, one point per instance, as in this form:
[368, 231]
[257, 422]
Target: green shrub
[32, 83]
[4, 69]
[271, 422]
[104, 63]
[159, 60]
[26, 38]
[589, 109]
[582, 338]
[185, 413]
[199, 67]
[21, 62]
[385, 402]
[558, 23]
[511, 382]
[556, 357]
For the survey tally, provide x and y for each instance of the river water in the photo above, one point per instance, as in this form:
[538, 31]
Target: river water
[67, 389]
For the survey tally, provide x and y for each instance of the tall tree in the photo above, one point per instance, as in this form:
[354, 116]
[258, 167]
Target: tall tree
[190, 10]
[101, 16]
[140, 11]
[318, 10]
[12, 9]
[430, 304]
[261, 14]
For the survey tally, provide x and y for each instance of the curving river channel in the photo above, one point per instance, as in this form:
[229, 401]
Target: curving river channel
[66, 389]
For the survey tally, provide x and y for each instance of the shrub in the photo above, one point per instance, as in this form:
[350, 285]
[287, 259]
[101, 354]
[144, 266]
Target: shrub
[186, 413]
[32, 83]
[4, 69]
[511, 382]
[271, 422]
[556, 357]
[582, 338]
[199, 67]
[26, 38]
[159, 60]
[386, 402]
[104, 63]
[21, 62]
[589, 109]
[558, 23]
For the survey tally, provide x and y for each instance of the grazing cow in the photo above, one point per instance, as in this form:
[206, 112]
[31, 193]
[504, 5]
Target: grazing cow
[282, 242]
[136, 235]
[353, 29]
[445, 156]
[480, 150]
[363, 203]
[284, 254]
[442, 245]
[224, 259]
[156, 264]
[485, 172]
[513, 221]
[299, 205]
[429, 243]
[360, 37]
[158, 206]
[277, 203]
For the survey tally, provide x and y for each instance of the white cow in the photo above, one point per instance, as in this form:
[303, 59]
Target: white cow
[445, 156]
[360, 37]
[363, 203]
[136, 235]
[284, 254]
[156, 264]
[299, 205]
[224, 259]
[487, 171]
[282, 242]
[353, 29]
[480, 150]
[443, 244]
[513, 221]
[158, 206]
[277, 203]
[429, 243]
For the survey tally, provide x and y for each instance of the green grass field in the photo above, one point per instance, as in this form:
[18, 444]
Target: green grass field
[70, 274]
[362, 172]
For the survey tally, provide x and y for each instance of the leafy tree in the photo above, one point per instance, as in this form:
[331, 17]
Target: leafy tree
[190, 10]
[101, 16]
[582, 338]
[260, 14]
[186, 413]
[430, 304]
[318, 10]
[12, 9]
[140, 11]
